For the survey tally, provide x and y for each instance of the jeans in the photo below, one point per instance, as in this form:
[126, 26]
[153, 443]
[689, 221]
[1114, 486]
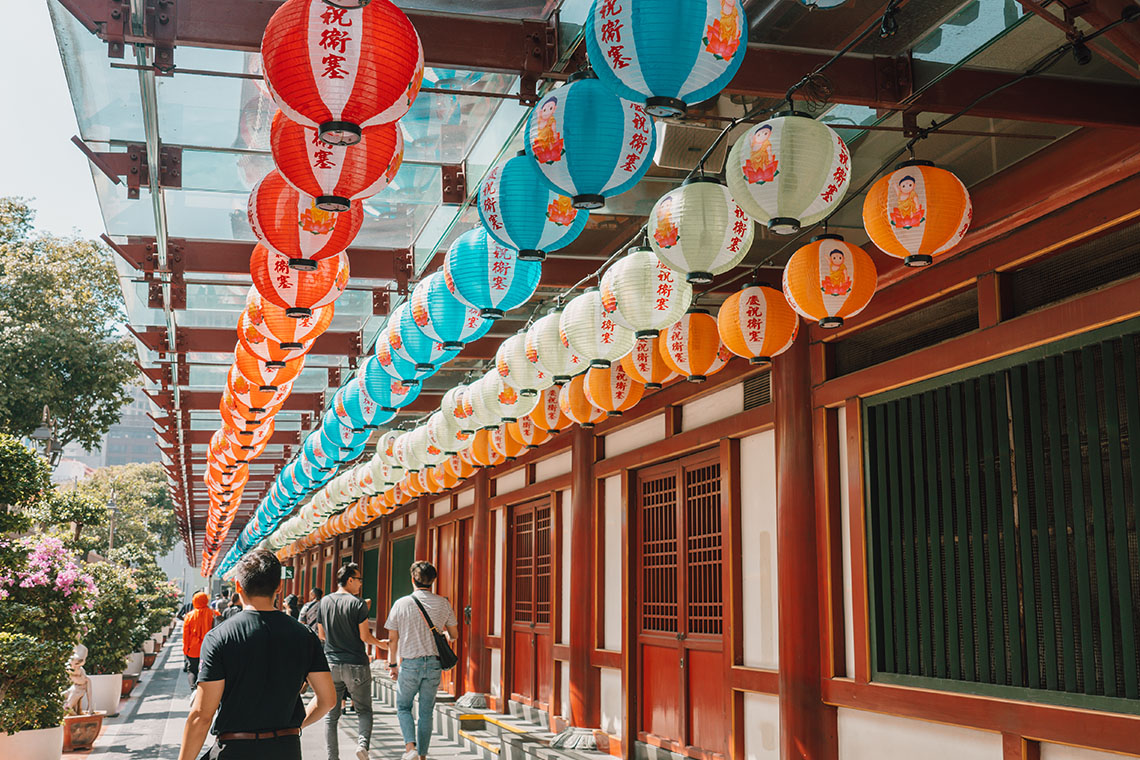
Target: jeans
[356, 680]
[419, 675]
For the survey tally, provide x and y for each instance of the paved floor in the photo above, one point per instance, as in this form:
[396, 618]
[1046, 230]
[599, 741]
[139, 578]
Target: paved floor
[149, 724]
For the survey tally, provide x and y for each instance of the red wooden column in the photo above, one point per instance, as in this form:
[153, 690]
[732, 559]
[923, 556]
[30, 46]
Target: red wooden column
[423, 517]
[585, 684]
[478, 670]
[807, 726]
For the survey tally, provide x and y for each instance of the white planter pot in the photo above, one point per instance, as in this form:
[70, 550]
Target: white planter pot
[134, 663]
[41, 744]
[148, 646]
[106, 692]
[157, 641]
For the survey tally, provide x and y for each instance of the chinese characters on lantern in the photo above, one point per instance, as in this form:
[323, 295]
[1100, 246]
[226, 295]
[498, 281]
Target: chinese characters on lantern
[664, 287]
[501, 264]
[335, 40]
[611, 33]
[638, 141]
[753, 319]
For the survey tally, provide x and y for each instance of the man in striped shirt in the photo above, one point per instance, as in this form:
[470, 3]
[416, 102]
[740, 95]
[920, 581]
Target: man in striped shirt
[418, 671]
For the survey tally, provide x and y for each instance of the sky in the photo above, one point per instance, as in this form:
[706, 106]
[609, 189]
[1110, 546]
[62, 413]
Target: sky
[36, 124]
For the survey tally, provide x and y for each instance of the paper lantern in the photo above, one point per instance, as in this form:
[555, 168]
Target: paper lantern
[527, 432]
[423, 448]
[459, 467]
[389, 392]
[483, 397]
[406, 453]
[443, 317]
[266, 375]
[296, 291]
[483, 452]
[917, 212]
[587, 329]
[641, 293]
[336, 175]
[234, 416]
[454, 407]
[504, 443]
[589, 143]
[386, 447]
[789, 172]
[488, 276]
[517, 370]
[267, 349]
[353, 403]
[666, 53]
[520, 211]
[612, 390]
[698, 230]
[249, 438]
[574, 404]
[646, 365]
[445, 477]
[251, 401]
[290, 223]
[444, 432]
[270, 320]
[428, 481]
[314, 451]
[692, 347]
[411, 343]
[342, 69]
[544, 349]
[396, 362]
[829, 280]
[757, 323]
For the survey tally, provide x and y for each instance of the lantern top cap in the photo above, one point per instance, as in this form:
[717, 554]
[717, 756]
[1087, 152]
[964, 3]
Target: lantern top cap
[710, 178]
[827, 236]
[914, 162]
[520, 153]
[793, 112]
[580, 75]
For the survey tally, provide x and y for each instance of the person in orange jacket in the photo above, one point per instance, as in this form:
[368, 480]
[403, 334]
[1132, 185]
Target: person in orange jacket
[195, 626]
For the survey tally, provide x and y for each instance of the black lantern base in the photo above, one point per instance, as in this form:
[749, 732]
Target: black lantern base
[347, 3]
[339, 132]
[424, 367]
[303, 265]
[919, 260]
[662, 106]
[600, 363]
[830, 323]
[653, 386]
[613, 413]
[275, 365]
[784, 225]
[531, 254]
[267, 388]
[335, 203]
[292, 346]
[588, 200]
[453, 345]
[298, 312]
[492, 313]
[760, 360]
[700, 278]
[696, 378]
[646, 334]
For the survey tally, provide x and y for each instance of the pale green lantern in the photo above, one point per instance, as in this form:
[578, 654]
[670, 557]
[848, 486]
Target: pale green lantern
[789, 172]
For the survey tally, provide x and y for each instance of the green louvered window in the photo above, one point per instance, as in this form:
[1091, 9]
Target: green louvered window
[1001, 526]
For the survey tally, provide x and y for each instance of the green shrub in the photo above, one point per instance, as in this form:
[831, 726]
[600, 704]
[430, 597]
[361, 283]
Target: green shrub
[33, 677]
[111, 621]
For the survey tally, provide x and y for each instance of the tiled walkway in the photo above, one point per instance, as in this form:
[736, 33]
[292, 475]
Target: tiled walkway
[149, 724]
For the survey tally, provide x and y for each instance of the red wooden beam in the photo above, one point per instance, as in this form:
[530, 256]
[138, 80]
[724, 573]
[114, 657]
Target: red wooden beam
[223, 339]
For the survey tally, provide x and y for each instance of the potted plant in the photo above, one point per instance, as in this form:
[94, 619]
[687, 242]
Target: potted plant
[109, 625]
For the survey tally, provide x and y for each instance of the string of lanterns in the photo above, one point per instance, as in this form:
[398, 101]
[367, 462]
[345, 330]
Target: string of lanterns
[599, 353]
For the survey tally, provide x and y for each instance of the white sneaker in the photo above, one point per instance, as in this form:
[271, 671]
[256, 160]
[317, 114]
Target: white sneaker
[410, 754]
[361, 753]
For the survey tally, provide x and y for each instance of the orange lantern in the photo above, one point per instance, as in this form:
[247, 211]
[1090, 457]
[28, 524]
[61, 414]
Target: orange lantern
[297, 291]
[459, 467]
[483, 452]
[829, 280]
[268, 350]
[249, 438]
[612, 389]
[402, 495]
[270, 320]
[504, 443]
[572, 399]
[411, 484]
[235, 417]
[291, 223]
[646, 365]
[341, 69]
[445, 477]
[692, 347]
[548, 415]
[266, 375]
[528, 433]
[757, 323]
[250, 401]
[917, 212]
[334, 174]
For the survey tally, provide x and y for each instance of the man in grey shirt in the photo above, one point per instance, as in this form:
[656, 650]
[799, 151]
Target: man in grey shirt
[418, 672]
[342, 624]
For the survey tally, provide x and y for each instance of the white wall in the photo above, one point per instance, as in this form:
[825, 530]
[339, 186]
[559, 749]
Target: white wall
[556, 465]
[440, 507]
[845, 538]
[498, 546]
[635, 436]
[713, 407]
[761, 727]
[564, 608]
[611, 707]
[496, 672]
[871, 736]
[758, 537]
[565, 666]
[612, 564]
[1062, 752]
[465, 498]
[510, 482]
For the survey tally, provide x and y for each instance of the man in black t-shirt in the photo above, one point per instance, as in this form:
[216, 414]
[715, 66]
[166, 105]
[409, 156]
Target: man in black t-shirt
[252, 669]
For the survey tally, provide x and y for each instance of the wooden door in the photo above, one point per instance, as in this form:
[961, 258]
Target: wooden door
[446, 560]
[532, 672]
[680, 628]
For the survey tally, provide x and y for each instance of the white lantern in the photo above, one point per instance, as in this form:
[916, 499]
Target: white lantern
[386, 447]
[405, 453]
[588, 330]
[454, 406]
[698, 230]
[545, 349]
[789, 172]
[642, 293]
[512, 404]
[484, 397]
[444, 432]
[423, 448]
[516, 370]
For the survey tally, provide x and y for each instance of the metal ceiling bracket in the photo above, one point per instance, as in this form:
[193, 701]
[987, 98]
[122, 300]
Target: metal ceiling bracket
[894, 80]
[132, 166]
[116, 27]
[381, 303]
[454, 178]
[404, 260]
[161, 24]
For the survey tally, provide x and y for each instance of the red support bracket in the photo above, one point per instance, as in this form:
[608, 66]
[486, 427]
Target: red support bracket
[132, 165]
[403, 263]
[454, 183]
[161, 24]
[894, 78]
[381, 302]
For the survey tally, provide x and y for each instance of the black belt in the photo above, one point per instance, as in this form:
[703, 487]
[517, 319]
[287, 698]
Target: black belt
[248, 735]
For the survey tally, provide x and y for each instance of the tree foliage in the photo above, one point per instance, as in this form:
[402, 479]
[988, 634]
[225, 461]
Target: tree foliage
[60, 305]
[24, 475]
[144, 512]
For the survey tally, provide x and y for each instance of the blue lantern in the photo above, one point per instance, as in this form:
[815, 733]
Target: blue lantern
[313, 450]
[411, 342]
[488, 276]
[666, 53]
[443, 317]
[342, 436]
[396, 362]
[357, 405]
[519, 210]
[588, 142]
[390, 393]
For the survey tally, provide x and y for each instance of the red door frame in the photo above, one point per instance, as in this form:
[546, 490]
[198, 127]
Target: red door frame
[537, 637]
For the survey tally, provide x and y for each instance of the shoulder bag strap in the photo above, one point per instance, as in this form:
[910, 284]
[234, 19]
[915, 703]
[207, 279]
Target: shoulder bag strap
[430, 624]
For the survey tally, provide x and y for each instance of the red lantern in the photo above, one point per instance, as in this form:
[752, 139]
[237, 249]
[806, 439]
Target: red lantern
[270, 320]
[296, 291]
[291, 223]
[342, 69]
[268, 349]
[336, 175]
[249, 399]
[260, 372]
